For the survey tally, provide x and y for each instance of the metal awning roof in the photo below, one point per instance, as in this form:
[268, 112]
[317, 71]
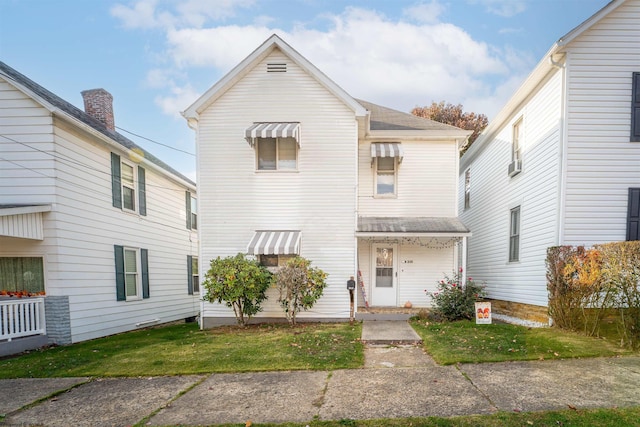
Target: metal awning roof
[387, 149]
[275, 242]
[272, 130]
[411, 227]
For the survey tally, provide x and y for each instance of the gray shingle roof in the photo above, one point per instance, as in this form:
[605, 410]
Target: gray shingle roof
[410, 225]
[383, 118]
[80, 115]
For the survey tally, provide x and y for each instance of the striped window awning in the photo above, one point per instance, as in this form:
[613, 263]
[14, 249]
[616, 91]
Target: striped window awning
[387, 149]
[275, 242]
[272, 130]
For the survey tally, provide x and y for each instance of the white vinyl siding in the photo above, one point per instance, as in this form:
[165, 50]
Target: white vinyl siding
[426, 181]
[235, 200]
[602, 162]
[54, 163]
[536, 191]
[419, 269]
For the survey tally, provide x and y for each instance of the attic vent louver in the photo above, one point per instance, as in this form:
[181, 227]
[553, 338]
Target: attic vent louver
[276, 68]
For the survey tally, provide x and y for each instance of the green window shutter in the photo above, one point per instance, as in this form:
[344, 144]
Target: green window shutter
[116, 186]
[119, 257]
[189, 274]
[142, 191]
[635, 108]
[188, 205]
[633, 215]
[144, 260]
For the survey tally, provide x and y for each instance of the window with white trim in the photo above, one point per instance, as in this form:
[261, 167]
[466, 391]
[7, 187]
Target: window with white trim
[516, 144]
[386, 177]
[467, 189]
[132, 273]
[514, 235]
[277, 154]
[131, 276]
[128, 181]
[195, 276]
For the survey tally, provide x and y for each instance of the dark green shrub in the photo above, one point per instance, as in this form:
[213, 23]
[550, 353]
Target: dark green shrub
[240, 282]
[455, 300]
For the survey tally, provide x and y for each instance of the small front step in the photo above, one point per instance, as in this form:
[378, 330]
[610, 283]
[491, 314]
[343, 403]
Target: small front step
[389, 332]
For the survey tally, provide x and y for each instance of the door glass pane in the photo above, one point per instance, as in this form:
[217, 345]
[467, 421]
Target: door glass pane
[384, 267]
[287, 153]
[267, 154]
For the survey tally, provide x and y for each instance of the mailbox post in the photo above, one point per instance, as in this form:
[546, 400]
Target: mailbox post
[351, 286]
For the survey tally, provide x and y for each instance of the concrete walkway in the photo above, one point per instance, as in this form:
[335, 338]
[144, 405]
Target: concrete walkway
[396, 382]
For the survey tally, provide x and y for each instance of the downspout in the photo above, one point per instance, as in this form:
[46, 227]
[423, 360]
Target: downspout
[562, 148]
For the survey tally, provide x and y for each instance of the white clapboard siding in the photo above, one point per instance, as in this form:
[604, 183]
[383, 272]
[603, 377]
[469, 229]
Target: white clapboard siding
[535, 189]
[26, 145]
[602, 163]
[49, 161]
[426, 181]
[87, 227]
[318, 199]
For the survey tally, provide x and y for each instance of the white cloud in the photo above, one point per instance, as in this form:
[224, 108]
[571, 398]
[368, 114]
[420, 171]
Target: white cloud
[504, 8]
[396, 63]
[147, 14]
[427, 13]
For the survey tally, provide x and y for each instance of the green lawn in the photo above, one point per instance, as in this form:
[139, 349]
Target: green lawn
[616, 417]
[183, 349]
[466, 342]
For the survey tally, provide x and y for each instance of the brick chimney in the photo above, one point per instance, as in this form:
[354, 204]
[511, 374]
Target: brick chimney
[98, 103]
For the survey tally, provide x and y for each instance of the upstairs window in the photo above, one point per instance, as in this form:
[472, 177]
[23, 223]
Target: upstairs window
[516, 148]
[277, 154]
[386, 176]
[191, 204]
[467, 189]
[128, 186]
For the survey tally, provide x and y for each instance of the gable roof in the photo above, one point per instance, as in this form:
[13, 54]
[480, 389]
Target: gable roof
[273, 42]
[57, 105]
[383, 118]
[547, 65]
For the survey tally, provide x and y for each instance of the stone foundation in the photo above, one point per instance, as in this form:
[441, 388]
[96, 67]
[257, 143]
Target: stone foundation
[530, 312]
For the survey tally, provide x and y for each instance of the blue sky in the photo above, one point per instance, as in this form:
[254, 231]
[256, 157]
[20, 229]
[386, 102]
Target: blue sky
[157, 56]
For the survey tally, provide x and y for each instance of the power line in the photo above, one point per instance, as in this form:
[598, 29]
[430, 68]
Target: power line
[71, 162]
[155, 142]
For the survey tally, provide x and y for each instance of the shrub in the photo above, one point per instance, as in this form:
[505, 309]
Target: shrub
[586, 284]
[300, 286]
[455, 300]
[621, 271]
[240, 282]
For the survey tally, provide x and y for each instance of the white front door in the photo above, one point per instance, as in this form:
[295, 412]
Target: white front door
[384, 275]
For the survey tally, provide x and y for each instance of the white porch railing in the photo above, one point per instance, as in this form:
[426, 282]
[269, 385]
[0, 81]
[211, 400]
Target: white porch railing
[21, 318]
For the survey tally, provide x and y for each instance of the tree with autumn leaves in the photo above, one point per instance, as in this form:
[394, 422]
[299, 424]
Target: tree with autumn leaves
[454, 115]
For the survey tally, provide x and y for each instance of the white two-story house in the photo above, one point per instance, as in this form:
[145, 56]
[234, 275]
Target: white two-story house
[290, 164]
[560, 163]
[99, 230]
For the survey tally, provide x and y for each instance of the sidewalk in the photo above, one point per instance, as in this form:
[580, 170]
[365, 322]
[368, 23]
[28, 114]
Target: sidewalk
[396, 382]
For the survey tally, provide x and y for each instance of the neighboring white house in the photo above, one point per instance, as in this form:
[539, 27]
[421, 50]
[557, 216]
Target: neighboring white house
[560, 164]
[289, 163]
[103, 228]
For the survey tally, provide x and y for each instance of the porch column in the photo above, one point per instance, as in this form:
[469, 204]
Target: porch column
[464, 260]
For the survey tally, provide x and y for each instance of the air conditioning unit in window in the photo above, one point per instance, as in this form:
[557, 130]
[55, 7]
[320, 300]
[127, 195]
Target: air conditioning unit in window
[515, 167]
